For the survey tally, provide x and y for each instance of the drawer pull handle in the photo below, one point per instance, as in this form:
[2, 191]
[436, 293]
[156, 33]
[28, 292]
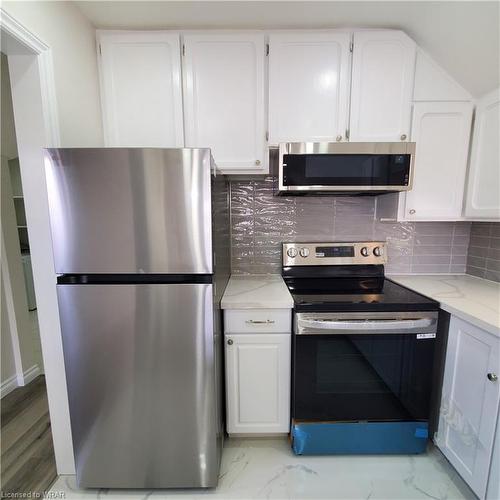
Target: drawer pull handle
[492, 377]
[260, 322]
[230, 342]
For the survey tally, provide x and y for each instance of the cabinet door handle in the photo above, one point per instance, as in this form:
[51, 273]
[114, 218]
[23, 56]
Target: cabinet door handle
[257, 162]
[412, 211]
[403, 137]
[230, 342]
[492, 377]
[260, 322]
[339, 138]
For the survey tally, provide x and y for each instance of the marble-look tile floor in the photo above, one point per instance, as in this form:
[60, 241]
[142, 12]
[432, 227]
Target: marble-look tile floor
[266, 468]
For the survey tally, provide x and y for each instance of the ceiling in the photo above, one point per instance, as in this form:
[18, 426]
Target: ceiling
[462, 36]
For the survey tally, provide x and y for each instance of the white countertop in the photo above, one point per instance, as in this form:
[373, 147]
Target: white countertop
[258, 291]
[473, 299]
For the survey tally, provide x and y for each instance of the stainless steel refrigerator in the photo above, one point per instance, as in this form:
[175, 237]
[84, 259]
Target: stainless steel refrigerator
[140, 240]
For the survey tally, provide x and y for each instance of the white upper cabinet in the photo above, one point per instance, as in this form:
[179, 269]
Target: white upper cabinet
[441, 131]
[309, 76]
[224, 98]
[383, 69]
[432, 83]
[141, 90]
[469, 402]
[483, 192]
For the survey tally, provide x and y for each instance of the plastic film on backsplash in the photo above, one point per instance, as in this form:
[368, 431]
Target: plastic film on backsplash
[261, 222]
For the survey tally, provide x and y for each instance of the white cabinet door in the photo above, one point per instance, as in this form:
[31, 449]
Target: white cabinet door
[309, 75]
[483, 192]
[469, 403]
[441, 131]
[493, 489]
[141, 89]
[224, 98]
[383, 71]
[258, 383]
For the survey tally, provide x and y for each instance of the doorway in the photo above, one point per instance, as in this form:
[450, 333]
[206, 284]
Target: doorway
[28, 464]
[30, 69]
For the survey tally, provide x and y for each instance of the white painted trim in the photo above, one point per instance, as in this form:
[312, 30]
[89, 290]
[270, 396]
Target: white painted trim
[17, 31]
[49, 100]
[11, 315]
[8, 386]
[31, 374]
[14, 381]
[36, 118]
[46, 68]
[102, 103]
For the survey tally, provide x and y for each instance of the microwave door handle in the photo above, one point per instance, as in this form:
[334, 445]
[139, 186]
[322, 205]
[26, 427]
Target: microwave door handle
[305, 326]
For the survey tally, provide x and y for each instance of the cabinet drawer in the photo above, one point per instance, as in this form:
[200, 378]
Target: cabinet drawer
[257, 320]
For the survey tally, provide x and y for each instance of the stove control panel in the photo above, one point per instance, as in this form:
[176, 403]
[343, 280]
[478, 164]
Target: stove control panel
[330, 254]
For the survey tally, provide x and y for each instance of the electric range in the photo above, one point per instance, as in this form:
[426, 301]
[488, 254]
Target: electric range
[363, 352]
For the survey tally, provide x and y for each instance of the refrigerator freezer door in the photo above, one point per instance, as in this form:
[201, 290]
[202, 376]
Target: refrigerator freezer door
[141, 382]
[126, 210]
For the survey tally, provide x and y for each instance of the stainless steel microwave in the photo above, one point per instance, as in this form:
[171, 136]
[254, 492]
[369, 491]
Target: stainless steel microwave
[345, 168]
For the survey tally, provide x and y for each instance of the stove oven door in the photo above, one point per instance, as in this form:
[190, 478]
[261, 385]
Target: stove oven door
[352, 367]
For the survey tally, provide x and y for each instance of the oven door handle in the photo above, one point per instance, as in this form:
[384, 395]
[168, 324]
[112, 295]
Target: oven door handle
[311, 326]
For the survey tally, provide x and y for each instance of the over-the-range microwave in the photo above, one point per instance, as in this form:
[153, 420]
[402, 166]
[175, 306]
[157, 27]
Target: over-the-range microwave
[344, 168]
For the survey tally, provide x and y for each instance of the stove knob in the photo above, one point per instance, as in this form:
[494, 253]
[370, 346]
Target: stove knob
[304, 252]
[365, 252]
[378, 252]
[292, 252]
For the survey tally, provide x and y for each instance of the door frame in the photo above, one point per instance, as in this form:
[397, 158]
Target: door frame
[37, 126]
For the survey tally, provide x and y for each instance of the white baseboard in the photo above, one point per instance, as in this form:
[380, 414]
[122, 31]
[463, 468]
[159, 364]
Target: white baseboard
[8, 386]
[18, 381]
[31, 374]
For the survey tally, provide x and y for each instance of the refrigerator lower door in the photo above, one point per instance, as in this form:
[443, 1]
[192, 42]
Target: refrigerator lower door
[140, 366]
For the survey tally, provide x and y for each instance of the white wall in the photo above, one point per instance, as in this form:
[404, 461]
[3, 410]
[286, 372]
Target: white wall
[69, 34]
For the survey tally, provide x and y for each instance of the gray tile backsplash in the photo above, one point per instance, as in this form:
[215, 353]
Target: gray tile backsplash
[261, 222]
[483, 257]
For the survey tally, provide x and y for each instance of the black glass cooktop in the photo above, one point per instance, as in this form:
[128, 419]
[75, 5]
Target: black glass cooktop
[356, 294]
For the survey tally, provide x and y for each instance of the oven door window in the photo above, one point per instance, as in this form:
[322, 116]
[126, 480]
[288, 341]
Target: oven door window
[383, 377]
[346, 170]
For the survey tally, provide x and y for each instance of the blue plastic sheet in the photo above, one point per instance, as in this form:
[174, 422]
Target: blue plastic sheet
[359, 438]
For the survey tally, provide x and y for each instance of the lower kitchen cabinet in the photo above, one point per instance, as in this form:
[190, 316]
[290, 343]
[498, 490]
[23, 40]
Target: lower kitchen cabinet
[493, 491]
[258, 383]
[469, 404]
